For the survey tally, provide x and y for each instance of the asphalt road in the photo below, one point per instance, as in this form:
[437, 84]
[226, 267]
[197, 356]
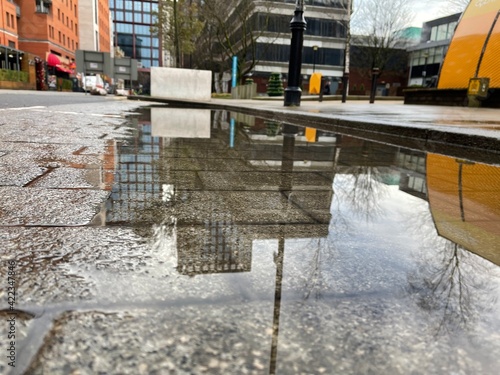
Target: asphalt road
[21, 98]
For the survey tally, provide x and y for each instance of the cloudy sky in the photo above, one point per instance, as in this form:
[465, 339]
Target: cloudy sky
[426, 12]
[429, 10]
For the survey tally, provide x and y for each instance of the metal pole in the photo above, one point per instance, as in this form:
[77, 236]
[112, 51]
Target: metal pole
[375, 72]
[315, 50]
[424, 73]
[345, 84]
[297, 26]
[234, 82]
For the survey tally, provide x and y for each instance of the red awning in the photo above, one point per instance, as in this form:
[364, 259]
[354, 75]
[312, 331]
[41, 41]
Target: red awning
[63, 69]
[53, 60]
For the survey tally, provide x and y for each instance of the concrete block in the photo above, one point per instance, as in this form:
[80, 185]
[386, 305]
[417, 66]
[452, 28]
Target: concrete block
[172, 83]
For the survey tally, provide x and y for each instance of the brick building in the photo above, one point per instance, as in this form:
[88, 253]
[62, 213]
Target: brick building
[49, 27]
[8, 23]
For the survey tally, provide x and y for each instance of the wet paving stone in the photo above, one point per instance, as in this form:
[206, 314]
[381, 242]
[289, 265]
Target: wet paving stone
[72, 178]
[19, 175]
[56, 207]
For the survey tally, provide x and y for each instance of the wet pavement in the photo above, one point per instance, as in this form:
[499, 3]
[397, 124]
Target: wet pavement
[199, 241]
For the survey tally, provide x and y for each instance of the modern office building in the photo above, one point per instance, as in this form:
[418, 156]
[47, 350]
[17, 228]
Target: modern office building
[132, 21]
[426, 58]
[324, 38]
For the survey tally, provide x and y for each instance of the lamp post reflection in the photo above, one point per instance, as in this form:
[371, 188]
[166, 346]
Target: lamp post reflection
[289, 134]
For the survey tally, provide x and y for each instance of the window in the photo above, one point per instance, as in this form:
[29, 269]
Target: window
[41, 7]
[443, 32]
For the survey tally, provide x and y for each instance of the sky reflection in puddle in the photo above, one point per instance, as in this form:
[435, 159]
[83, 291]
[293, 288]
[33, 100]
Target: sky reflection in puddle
[372, 258]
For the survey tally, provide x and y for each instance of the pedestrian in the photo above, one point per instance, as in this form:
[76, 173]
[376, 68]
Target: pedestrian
[326, 89]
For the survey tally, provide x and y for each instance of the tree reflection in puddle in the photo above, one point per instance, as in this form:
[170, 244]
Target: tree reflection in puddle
[336, 213]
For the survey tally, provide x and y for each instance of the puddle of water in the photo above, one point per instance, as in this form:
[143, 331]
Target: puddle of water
[264, 247]
[368, 257]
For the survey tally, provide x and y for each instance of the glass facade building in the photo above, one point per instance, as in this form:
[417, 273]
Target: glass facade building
[427, 57]
[132, 21]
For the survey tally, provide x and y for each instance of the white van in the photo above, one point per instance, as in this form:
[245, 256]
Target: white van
[95, 85]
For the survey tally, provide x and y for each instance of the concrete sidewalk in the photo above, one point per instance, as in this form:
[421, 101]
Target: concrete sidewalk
[388, 112]
[480, 121]
[427, 128]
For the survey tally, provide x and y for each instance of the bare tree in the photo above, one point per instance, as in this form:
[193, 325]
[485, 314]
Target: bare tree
[380, 25]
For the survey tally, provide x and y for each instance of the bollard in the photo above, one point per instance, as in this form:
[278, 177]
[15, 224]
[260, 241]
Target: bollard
[375, 73]
[345, 86]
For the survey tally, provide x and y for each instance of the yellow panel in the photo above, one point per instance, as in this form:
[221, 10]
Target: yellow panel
[462, 58]
[315, 83]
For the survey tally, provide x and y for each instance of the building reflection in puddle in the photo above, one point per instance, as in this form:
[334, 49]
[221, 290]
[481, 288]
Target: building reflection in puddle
[206, 186]
[222, 198]
[463, 197]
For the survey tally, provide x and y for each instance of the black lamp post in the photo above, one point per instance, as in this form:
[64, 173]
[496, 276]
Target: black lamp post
[315, 50]
[297, 26]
